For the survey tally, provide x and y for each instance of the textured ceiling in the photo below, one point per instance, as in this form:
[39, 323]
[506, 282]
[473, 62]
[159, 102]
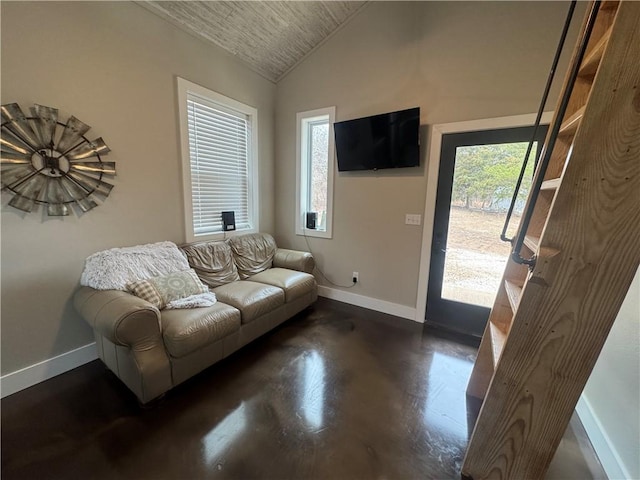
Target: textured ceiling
[270, 36]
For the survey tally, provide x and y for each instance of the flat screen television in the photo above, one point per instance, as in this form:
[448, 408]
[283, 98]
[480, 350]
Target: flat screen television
[388, 140]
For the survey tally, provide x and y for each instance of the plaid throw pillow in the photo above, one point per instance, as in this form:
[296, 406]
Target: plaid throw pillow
[159, 291]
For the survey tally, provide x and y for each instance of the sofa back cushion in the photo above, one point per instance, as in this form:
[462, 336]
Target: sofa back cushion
[213, 262]
[252, 253]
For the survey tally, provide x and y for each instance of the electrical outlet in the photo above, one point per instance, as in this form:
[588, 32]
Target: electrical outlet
[355, 277]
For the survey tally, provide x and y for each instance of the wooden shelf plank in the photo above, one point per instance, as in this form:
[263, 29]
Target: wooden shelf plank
[513, 294]
[498, 339]
[532, 242]
[551, 184]
[570, 125]
[592, 58]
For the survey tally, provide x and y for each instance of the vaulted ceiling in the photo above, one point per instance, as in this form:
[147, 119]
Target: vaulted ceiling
[270, 36]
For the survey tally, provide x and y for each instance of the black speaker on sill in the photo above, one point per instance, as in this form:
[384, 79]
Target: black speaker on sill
[312, 219]
[228, 221]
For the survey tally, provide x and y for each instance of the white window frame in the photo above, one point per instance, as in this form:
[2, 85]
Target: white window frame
[224, 103]
[303, 167]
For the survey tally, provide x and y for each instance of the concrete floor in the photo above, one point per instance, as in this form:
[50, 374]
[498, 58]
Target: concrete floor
[337, 392]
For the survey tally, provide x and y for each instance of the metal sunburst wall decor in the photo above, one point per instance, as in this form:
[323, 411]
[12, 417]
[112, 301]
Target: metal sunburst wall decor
[48, 162]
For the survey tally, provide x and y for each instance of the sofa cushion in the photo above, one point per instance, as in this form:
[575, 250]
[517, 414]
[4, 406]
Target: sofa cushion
[252, 253]
[185, 331]
[251, 298]
[213, 262]
[295, 284]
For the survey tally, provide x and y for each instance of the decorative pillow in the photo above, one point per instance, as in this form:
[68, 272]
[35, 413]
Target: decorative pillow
[159, 291]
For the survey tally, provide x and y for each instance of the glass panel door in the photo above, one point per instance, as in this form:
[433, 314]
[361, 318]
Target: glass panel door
[478, 172]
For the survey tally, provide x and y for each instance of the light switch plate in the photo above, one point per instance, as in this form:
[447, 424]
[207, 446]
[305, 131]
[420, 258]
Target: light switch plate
[413, 219]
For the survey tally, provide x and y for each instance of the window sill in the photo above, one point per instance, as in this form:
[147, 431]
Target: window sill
[218, 236]
[314, 233]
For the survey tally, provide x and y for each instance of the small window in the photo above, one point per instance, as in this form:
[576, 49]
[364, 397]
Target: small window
[315, 144]
[219, 164]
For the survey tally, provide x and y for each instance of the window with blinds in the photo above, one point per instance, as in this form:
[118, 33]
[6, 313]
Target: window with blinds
[220, 154]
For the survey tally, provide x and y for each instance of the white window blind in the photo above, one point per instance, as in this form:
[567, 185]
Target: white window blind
[219, 149]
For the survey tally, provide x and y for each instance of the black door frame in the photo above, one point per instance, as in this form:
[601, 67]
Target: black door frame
[448, 314]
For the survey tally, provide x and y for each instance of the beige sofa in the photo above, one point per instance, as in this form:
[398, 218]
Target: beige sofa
[258, 286]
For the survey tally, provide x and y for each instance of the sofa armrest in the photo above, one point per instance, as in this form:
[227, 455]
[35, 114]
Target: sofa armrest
[130, 322]
[294, 260]
[120, 317]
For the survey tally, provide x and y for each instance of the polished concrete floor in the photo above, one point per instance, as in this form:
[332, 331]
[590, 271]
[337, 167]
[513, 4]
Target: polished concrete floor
[336, 392]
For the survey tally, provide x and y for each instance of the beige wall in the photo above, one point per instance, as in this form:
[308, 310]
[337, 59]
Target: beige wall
[613, 390]
[113, 65]
[456, 61]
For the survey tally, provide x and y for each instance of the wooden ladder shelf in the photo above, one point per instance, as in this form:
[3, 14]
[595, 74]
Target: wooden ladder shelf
[548, 324]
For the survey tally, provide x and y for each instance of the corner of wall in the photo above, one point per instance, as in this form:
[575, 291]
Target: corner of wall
[606, 451]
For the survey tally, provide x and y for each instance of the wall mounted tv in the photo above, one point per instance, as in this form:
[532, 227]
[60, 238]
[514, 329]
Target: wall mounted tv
[389, 140]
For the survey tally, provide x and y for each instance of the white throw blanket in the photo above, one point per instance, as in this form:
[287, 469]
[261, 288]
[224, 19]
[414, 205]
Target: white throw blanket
[113, 269]
[199, 300]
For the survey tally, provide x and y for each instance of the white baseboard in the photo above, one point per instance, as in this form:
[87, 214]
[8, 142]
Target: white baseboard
[367, 302]
[41, 371]
[607, 454]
